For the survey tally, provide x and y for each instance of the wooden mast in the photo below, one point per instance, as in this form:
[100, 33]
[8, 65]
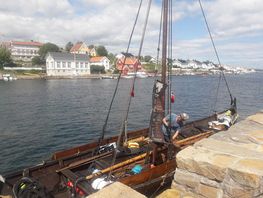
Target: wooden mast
[158, 106]
[164, 50]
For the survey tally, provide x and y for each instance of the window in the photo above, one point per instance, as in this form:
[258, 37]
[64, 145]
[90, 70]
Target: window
[63, 64]
[63, 70]
[58, 64]
[69, 64]
[77, 64]
[86, 65]
[81, 65]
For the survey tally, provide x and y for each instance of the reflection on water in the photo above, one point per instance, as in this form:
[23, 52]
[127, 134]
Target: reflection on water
[39, 117]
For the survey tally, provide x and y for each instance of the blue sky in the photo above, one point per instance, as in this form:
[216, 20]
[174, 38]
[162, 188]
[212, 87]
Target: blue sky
[236, 26]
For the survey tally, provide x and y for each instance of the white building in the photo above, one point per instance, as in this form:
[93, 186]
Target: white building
[24, 50]
[100, 61]
[67, 64]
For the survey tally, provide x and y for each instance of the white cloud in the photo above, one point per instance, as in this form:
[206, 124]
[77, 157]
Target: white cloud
[109, 23]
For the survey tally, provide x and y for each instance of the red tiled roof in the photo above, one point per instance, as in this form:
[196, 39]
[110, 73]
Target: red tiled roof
[76, 47]
[28, 43]
[129, 62]
[96, 59]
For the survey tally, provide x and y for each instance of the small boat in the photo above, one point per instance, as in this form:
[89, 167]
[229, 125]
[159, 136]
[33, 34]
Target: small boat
[8, 77]
[108, 77]
[138, 74]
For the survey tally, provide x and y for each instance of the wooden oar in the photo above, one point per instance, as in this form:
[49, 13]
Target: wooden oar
[116, 166]
[193, 139]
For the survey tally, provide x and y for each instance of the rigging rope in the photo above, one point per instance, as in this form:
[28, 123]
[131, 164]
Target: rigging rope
[119, 77]
[212, 40]
[132, 87]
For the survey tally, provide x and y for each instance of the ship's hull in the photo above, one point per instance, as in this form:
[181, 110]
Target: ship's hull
[75, 165]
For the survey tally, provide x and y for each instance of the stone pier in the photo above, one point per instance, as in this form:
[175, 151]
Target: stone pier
[226, 165]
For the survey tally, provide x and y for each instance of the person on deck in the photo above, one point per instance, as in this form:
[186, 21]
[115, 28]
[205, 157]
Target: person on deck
[172, 124]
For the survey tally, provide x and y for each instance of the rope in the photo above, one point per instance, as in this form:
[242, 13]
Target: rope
[132, 87]
[212, 40]
[118, 81]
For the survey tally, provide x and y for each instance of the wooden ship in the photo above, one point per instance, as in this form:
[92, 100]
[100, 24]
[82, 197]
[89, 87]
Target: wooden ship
[127, 158]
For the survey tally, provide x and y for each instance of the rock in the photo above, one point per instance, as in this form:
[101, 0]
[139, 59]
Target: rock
[226, 165]
[117, 189]
[256, 118]
[210, 192]
[247, 172]
[170, 193]
[187, 179]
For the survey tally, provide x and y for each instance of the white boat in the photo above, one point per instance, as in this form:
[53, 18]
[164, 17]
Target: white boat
[139, 74]
[8, 77]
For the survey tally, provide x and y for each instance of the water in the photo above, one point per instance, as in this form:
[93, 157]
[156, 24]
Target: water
[38, 117]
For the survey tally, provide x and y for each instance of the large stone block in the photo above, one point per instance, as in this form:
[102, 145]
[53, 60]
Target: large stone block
[256, 118]
[117, 189]
[170, 193]
[210, 192]
[187, 179]
[227, 148]
[247, 172]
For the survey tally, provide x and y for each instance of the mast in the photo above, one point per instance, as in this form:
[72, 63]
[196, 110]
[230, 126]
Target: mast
[164, 49]
[158, 105]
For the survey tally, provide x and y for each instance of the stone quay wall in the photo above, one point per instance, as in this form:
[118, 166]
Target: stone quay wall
[228, 164]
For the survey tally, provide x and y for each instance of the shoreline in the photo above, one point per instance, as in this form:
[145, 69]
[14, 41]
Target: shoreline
[32, 76]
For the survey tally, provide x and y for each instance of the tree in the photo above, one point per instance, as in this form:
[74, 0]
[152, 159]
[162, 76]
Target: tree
[112, 58]
[101, 51]
[91, 46]
[37, 61]
[5, 57]
[96, 69]
[47, 47]
[147, 58]
[68, 46]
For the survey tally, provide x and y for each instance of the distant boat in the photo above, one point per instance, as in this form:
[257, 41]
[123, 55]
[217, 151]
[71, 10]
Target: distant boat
[139, 74]
[8, 77]
[108, 77]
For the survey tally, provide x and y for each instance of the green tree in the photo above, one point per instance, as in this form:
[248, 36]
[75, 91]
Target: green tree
[91, 46]
[47, 47]
[147, 58]
[112, 58]
[68, 46]
[96, 69]
[37, 61]
[5, 57]
[101, 51]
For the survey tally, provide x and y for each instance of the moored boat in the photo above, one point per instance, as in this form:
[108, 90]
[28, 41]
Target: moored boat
[141, 159]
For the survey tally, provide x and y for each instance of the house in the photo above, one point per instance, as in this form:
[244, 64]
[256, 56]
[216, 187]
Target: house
[82, 48]
[5, 44]
[177, 63]
[23, 50]
[100, 61]
[131, 64]
[67, 64]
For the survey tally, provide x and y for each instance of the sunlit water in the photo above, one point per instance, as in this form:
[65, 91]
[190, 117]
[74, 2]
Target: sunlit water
[38, 117]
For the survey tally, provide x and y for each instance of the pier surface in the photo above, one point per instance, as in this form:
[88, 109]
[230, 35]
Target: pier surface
[227, 164]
